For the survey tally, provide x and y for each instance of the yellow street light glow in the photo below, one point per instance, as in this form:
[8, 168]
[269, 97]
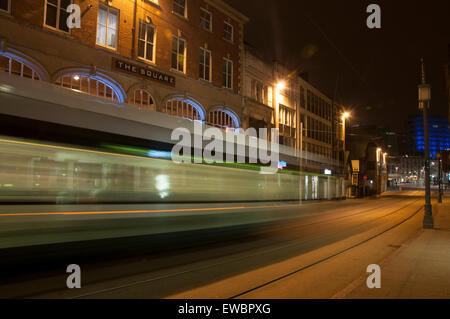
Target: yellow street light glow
[76, 77]
[346, 115]
[281, 86]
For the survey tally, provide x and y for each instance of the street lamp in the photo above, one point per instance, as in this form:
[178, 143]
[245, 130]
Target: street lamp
[345, 115]
[424, 104]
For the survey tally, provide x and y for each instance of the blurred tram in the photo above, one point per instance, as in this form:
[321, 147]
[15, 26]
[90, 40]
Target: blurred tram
[59, 146]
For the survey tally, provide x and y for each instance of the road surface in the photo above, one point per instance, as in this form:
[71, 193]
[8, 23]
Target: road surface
[259, 250]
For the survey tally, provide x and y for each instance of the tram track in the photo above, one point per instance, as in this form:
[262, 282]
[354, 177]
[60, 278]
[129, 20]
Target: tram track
[269, 251]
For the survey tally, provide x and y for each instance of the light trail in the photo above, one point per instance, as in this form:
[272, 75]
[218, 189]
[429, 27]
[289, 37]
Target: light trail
[149, 211]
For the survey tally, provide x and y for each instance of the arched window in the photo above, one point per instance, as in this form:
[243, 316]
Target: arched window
[91, 85]
[13, 66]
[184, 108]
[222, 119]
[143, 99]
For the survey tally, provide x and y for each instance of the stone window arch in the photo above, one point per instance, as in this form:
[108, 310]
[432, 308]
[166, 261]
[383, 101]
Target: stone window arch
[20, 65]
[142, 99]
[184, 107]
[222, 118]
[97, 85]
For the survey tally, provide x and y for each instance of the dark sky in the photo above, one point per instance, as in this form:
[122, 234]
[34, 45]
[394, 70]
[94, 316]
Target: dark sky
[376, 72]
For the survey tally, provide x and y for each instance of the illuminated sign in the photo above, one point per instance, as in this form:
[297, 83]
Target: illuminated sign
[327, 172]
[142, 71]
[281, 164]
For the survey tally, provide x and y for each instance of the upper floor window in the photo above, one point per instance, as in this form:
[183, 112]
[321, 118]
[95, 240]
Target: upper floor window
[228, 31]
[56, 14]
[178, 53]
[227, 74]
[205, 64]
[5, 5]
[179, 7]
[205, 19]
[146, 45]
[107, 25]
[259, 91]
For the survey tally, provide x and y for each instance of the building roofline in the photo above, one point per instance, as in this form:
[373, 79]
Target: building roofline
[221, 5]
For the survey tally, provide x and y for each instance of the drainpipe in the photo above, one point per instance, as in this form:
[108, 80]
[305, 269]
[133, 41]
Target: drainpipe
[133, 32]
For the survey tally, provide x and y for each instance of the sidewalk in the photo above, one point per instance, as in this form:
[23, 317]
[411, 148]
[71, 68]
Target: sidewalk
[421, 267]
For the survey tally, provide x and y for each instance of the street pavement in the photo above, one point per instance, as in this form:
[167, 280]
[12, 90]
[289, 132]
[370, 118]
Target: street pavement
[321, 251]
[421, 268]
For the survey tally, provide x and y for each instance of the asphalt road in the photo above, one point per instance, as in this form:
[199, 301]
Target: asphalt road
[259, 250]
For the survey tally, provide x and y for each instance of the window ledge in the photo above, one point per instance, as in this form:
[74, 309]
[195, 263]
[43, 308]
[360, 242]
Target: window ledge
[55, 29]
[180, 16]
[229, 41]
[177, 71]
[146, 61]
[154, 4]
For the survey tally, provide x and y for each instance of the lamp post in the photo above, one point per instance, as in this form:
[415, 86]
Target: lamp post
[424, 104]
[438, 155]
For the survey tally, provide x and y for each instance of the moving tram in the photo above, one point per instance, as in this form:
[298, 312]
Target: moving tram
[58, 146]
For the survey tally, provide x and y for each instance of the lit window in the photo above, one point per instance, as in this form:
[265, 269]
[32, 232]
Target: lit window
[146, 45]
[183, 109]
[227, 74]
[56, 14]
[205, 64]
[12, 66]
[228, 31]
[205, 19]
[179, 7]
[107, 26]
[178, 53]
[143, 99]
[87, 85]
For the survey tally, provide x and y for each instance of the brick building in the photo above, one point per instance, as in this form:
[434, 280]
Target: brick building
[185, 58]
[181, 57]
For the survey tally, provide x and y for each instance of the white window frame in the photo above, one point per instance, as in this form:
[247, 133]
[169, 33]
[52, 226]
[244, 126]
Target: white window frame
[147, 25]
[183, 109]
[114, 97]
[203, 76]
[228, 61]
[58, 15]
[179, 39]
[232, 31]
[210, 19]
[9, 8]
[108, 11]
[141, 92]
[185, 9]
[34, 74]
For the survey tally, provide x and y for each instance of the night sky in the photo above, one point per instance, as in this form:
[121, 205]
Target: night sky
[374, 73]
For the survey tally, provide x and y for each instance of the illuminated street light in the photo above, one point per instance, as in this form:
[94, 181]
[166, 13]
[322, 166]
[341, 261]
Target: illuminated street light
[76, 77]
[281, 85]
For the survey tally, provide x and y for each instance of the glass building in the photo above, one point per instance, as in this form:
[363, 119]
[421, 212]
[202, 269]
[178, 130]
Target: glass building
[439, 134]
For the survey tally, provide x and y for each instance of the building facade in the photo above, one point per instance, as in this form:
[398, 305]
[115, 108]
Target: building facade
[185, 58]
[306, 118]
[180, 57]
